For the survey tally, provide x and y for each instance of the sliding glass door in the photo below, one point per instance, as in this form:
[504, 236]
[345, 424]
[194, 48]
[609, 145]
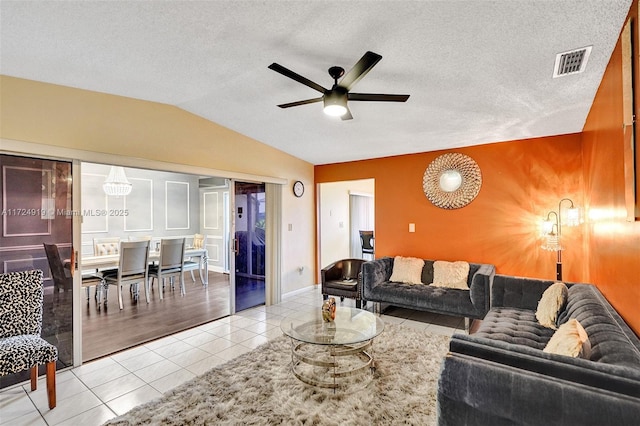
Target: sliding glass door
[249, 244]
[36, 209]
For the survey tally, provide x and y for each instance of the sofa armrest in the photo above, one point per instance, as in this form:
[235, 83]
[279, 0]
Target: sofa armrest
[374, 273]
[483, 381]
[474, 391]
[480, 288]
[614, 378]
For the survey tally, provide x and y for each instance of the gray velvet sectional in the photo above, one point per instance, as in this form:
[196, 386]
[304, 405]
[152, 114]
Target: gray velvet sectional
[500, 376]
[471, 303]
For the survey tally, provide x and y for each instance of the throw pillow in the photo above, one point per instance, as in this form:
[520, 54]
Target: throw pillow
[552, 301]
[570, 339]
[407, 270]
[451, 274]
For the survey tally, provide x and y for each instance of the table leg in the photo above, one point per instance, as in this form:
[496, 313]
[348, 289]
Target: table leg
[204, 265]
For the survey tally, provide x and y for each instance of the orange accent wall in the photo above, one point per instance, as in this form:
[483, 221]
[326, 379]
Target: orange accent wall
[522, 181]
[613, 243]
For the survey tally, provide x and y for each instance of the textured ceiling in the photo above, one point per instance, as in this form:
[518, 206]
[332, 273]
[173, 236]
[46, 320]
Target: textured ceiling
[477, 71]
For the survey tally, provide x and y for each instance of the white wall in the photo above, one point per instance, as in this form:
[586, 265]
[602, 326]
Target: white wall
[298, 237]
[334, 217]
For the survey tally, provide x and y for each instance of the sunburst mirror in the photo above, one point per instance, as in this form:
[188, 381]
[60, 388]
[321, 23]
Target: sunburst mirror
[452, 181]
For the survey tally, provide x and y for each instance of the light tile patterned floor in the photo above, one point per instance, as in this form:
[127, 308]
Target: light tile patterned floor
[100, 390]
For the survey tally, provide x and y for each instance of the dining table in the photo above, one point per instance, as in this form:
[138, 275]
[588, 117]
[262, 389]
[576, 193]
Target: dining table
[93, 263]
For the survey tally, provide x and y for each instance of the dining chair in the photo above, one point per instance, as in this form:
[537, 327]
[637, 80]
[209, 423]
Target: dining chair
[199, 242]
[367, 241]
[62, 276]
[21, 346]
[106, 246]
[132, 267]
[169, 266]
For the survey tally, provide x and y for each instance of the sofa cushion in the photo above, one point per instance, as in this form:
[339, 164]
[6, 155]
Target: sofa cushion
[407, 270]
[424, 297]
[551, 303]
[570, 339]
[451, 274]
[515, 326]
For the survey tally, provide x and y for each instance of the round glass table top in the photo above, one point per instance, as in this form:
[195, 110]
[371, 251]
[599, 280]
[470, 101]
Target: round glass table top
[350, 326]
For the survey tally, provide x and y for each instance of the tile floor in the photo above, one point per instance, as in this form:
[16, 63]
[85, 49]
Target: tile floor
[99, 390]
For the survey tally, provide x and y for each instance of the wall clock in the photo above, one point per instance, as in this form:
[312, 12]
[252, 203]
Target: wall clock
[452, 181]
[298, 188]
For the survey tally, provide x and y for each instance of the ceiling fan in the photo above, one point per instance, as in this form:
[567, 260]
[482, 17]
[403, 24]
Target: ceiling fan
[335, 99]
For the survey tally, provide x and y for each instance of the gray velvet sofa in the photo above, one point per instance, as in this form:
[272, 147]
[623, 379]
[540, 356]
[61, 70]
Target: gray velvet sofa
[500, 376]
[471, 303]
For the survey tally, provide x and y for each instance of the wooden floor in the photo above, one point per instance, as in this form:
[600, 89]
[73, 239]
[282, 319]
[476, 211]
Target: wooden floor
[106, 329]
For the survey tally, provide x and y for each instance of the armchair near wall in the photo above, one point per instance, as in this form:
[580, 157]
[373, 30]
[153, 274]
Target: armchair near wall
[342, 278]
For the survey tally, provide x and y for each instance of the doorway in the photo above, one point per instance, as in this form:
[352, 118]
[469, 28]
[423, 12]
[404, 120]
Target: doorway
[161, 205]
[339, 223]
[249, 244]
[361, 224]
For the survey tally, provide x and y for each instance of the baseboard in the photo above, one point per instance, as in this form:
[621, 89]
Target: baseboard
[300, 290]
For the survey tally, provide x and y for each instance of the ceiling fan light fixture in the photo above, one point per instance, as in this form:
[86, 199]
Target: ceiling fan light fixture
[335, 99]
[335, 104]
[335, 110]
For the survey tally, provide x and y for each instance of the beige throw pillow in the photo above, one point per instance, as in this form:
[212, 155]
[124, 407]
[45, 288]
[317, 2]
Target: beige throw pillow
[570, 339]
[451, 274]
[552, 301]
[407, 270]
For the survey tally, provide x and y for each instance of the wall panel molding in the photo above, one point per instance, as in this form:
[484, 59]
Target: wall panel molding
[26, 192]
[138, 206]
[177, 194]
[211, 202]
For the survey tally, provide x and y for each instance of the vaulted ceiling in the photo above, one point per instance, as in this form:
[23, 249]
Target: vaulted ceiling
[477, 71]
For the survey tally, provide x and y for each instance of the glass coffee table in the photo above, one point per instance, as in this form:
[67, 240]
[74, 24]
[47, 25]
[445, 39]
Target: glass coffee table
[332, 354]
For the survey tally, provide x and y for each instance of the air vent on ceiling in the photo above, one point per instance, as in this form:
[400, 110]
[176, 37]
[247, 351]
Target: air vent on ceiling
[572, 62]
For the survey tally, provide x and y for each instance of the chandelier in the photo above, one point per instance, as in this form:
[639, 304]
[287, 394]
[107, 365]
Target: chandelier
[116, 183]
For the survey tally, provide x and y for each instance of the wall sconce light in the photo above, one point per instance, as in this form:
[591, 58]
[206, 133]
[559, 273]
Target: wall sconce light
[552, 230]
[116, 183]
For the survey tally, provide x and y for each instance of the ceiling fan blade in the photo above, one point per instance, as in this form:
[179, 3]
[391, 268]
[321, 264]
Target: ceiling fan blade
[297, 77]
[347, 115]
[360, 69]
[377, 97]
[297, 103]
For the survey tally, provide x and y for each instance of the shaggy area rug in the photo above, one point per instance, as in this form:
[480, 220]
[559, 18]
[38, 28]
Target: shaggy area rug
[258, 388]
